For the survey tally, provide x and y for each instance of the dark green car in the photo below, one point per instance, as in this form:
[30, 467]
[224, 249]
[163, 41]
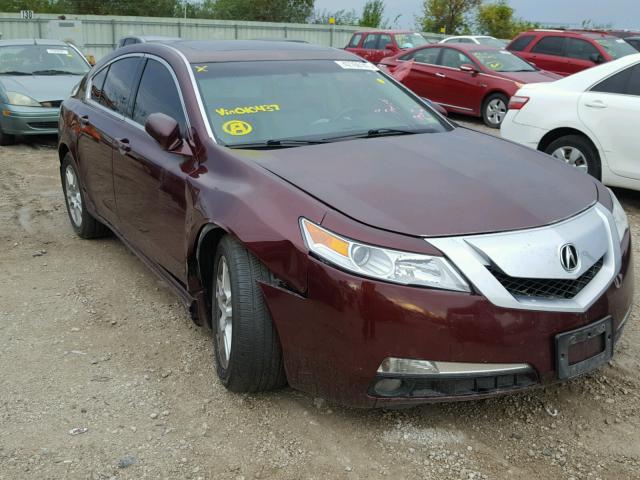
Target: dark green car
[36, 75]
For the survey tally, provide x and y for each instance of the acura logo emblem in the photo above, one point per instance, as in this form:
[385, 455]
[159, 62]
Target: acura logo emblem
[569, 257]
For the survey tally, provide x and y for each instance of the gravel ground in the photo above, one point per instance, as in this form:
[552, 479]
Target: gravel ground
[103, 376]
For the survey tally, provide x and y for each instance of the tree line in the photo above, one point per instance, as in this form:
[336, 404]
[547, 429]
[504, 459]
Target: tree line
[441, 16]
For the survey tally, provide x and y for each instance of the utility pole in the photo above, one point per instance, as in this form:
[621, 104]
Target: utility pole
[185, 9]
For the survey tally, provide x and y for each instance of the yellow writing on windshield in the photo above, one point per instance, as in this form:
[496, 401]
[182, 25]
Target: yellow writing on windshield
[223, 112]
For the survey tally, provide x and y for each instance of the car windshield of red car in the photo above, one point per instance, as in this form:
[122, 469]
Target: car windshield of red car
[410, 40]
[502, 61]
[616, 47]
[266, 101]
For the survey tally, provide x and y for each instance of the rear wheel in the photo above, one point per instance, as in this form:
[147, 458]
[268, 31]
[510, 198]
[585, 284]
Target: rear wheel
[246, 344]
[83, 223]
[494, 110]
[577, 151]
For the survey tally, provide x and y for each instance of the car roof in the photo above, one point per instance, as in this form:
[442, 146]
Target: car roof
[31, 41]
[390, 32]
[570, 33]
[209, 51]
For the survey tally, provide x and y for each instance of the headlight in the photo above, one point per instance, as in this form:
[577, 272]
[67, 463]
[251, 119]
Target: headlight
[620, 217]
[389, 265]
[22, 100]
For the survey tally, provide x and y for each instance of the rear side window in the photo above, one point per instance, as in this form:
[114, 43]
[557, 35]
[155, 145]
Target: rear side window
[581, 49]
[355, 40]
[550, 46]
[158, 93]
[520, 43]
[454, 59]
[97, 83]
[119, 83]
[371, 42]
[633, 87]
[615, 83]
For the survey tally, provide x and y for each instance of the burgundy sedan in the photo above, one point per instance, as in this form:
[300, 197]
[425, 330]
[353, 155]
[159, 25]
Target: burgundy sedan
[469, 79]
[336, 233]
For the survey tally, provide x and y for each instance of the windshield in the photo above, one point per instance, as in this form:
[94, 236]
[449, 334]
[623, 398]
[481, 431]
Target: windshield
[410, 40]
[491, 42]
[616, 47]
[41, 60]
[310, 100]
[503, 61]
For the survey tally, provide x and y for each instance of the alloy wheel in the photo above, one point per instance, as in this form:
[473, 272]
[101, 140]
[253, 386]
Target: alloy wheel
[496, 111]
[224, 312]
[572, 156]
[74, 199]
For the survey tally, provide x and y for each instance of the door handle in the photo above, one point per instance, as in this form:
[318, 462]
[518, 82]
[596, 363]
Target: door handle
[441, 75]
[596, 104]
[84, 120]
[123, 145]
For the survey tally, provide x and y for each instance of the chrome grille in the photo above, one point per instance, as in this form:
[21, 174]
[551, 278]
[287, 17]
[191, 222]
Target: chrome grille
[552, 288]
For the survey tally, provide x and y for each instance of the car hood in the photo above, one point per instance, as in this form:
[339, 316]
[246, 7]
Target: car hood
[441, 184]
[531, 77]
[41, 87]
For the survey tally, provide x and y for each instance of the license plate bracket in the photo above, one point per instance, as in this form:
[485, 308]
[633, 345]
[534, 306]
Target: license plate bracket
[566, 340]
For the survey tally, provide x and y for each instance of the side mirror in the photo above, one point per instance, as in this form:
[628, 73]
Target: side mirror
[164, 130]
[465, 67]
[389, 46]
[91, 59]
[596, 58]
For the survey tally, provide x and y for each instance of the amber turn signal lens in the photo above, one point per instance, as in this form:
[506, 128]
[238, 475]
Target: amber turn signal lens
[322, 237]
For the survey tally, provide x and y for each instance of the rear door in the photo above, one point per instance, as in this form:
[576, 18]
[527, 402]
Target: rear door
[610, 110]
[99, 121]
[149, 181]
[580, 54]
[548, 54]
[369, 46]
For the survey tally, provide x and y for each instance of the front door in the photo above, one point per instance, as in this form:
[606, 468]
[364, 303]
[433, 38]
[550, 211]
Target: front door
[460, 90]
[149, 181]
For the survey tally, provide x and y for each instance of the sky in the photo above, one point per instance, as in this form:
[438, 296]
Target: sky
[619, 13]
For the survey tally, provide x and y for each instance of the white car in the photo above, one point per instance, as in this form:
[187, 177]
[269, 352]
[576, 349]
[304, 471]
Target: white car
[485, 40]
[587, 120]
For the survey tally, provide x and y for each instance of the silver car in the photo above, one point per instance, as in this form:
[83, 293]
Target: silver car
[36, 75]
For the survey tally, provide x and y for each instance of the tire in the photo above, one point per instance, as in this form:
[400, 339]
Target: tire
[6, 139]
[577, 151]
[253, 361]
[83, 223]
[494, 109]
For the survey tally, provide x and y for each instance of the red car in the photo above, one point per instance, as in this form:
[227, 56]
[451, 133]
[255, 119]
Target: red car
[335, 233]
[568, 51]
[467, 78]
[376, 45]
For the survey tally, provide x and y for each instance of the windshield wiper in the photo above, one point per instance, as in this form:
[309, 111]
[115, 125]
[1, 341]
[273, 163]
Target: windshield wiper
[382, 132]
[55, 72]
[15, 72]
[284, 143]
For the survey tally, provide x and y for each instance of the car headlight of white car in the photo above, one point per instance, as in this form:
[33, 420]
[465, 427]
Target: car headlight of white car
[394, 266]
[21, 100]
[619, 215]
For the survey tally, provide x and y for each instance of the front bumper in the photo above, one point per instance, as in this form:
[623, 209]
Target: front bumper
[336, 337]
[16, 120]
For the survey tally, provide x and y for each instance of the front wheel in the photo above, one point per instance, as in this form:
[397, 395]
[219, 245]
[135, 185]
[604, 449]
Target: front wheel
[494, 110]
[578, 152]
[246, 345]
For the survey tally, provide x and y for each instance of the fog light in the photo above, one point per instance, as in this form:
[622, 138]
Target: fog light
[387, 386]
[407, 366]
[6, 113]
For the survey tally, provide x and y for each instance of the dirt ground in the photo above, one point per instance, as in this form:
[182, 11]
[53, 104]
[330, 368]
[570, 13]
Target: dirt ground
[90, 339]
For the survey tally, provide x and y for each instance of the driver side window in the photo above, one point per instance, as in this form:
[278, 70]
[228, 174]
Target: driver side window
[453, 58]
